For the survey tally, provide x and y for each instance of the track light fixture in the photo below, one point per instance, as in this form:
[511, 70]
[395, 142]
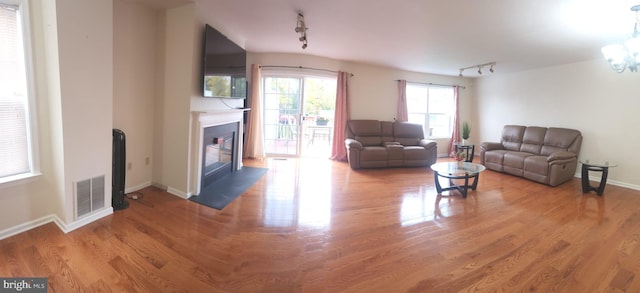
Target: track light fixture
[301, 28]
[479, 66]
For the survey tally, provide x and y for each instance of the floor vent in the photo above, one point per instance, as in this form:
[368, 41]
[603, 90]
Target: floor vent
[89, 195]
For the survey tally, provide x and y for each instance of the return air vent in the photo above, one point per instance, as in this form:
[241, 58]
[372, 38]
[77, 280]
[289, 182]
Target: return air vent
[89, 195]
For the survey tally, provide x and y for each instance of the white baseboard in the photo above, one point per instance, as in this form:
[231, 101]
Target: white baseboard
[178, 193]
[137, 187]
[6, 233]
[66, 228]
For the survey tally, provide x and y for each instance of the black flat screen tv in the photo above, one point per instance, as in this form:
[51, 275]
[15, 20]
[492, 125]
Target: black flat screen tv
[224, 66]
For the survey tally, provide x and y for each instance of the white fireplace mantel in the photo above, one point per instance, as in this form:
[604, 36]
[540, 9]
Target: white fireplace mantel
[204, 119]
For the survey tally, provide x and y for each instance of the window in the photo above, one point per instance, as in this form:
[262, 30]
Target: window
[433, 107]
[16, 156]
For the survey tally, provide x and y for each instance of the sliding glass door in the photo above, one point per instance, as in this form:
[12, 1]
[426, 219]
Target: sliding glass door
[298, 115]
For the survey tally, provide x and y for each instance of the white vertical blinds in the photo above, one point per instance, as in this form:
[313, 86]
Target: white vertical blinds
[14, 144]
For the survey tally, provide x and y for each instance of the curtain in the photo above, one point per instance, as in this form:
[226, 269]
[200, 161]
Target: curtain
[253, 144]
[338, 149]
[455, 136]
[402, 101]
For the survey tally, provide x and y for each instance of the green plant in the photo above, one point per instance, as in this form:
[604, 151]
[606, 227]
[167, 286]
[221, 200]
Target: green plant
[466, 130]
[460, 156]
[322, 119]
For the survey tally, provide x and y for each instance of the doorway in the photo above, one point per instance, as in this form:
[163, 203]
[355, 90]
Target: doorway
[298, 115]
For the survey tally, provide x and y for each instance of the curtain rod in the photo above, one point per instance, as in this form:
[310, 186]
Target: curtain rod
[438, 84]
[302, 67]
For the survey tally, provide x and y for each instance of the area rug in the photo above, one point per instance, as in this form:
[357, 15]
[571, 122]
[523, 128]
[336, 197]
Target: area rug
[226, 189]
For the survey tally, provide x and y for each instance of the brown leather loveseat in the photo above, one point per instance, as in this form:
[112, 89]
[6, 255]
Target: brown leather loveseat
[545, 155]
[379, 144]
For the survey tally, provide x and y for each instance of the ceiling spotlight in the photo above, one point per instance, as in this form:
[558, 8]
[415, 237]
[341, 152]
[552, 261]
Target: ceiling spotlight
[479, 67]
[301, 28]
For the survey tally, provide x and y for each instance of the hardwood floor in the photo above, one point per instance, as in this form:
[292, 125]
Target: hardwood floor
[313, 225]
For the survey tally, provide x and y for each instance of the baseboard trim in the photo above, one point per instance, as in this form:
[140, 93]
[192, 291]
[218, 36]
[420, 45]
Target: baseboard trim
[178, 193]
[65, 228]
[6, 233]
[137, 187]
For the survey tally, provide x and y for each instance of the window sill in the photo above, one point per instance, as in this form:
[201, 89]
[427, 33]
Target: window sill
[19, 179]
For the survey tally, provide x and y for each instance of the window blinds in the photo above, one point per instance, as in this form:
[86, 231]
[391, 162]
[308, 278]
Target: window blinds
[14, 147]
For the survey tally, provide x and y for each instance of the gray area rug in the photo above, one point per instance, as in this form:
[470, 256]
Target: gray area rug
[222, 192]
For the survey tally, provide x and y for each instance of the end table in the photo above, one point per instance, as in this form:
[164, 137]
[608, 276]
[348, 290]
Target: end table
[465, 148]
[595, 167]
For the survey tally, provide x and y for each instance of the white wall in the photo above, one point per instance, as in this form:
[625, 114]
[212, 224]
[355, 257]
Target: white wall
[134, 86]
[74, 76]
[587, 96]
[85, 44]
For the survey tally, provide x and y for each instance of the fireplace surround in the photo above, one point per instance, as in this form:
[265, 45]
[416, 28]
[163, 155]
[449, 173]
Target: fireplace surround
[221, 151]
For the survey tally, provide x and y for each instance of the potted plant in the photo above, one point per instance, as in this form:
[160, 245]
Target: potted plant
[321, 121]
[466, 132]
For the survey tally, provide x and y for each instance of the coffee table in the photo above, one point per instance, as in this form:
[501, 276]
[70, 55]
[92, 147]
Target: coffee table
[457, 170]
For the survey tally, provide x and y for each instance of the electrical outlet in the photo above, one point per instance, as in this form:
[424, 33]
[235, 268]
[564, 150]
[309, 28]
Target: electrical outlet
[129, 166]
[147, 161]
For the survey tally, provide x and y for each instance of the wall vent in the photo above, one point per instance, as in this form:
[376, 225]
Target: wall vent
[89, 195]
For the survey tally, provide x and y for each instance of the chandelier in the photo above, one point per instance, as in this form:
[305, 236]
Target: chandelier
[625, 56]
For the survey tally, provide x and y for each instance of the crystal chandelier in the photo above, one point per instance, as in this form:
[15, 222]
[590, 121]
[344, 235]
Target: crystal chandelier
[625, 56]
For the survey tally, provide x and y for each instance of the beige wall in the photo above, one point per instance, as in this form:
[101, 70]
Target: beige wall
[134, 86]
[587, 96]
[372, 89]
[85, 44]
[73, 69]
[179, 29]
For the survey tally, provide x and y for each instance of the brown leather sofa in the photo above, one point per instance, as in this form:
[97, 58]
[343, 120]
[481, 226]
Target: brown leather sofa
[380, 144]
[545, 155]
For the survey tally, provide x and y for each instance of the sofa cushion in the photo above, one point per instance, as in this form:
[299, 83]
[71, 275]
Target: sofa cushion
[374, 153]
[512, 137]
[386, 131]
[537, 165]
[532, 139]
[408, 134]
[368, 132]
[560, 139]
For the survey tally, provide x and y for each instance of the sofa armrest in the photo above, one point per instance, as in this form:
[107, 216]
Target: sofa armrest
[490, 146]
[561, 155]
[351, 143]
[427, 143]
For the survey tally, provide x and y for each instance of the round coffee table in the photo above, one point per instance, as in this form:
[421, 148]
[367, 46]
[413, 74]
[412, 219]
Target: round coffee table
[457, 170]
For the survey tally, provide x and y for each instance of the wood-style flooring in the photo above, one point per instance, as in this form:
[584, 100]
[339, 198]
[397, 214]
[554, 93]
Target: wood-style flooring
[314, 225]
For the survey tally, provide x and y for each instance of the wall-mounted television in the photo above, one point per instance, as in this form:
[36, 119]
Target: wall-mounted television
[224, 67]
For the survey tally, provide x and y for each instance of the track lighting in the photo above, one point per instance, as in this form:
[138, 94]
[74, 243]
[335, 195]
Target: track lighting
[301, 28]
[479, 66]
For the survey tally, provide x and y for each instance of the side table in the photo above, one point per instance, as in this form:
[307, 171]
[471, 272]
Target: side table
[595, 167]
[465, 148]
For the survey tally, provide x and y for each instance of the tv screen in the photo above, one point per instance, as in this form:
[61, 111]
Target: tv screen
[224, 67]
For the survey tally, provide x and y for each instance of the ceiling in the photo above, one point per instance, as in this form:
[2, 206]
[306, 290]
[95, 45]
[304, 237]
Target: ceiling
[431, 36]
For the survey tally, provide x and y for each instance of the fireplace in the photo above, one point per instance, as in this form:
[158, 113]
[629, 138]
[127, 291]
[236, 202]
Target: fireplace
[217, 146]
[218, 152]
